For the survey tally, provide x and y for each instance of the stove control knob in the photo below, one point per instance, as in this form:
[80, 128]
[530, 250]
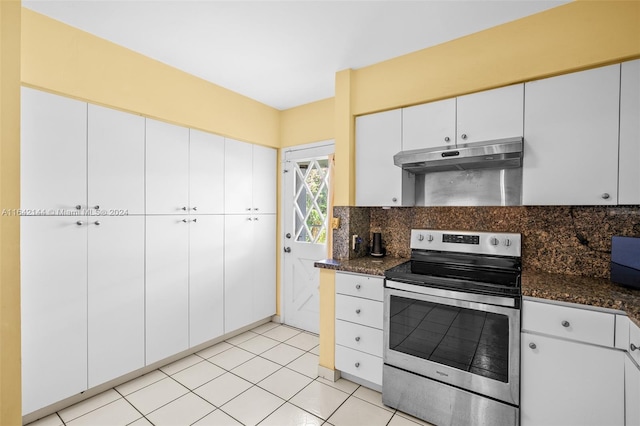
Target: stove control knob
[507, 242]
[429, 237]
[494, 241]
[420, 237]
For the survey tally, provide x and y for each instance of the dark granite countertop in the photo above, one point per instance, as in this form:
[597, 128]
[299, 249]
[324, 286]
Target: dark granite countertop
[597, 292]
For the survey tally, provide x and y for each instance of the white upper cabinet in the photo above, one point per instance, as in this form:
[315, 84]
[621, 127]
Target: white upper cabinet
[115, 160]
[250, 178]
[53, 157]
[167, 168]
[571, 139]
[492, 114]
[629, 189]
[206, 173]
[429, 125]
[378, 179]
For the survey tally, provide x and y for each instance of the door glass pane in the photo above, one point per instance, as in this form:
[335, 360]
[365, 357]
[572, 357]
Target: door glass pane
[466, 339]
[310, 200]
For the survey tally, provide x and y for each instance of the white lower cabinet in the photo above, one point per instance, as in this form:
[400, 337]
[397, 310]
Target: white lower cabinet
[631, 392]
[249, 271]
[570, 376]
[359, 322]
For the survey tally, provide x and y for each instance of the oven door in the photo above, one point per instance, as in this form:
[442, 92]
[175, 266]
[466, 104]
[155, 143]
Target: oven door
[472, 345]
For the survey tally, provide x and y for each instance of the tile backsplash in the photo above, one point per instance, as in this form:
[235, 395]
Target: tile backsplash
[574, 240]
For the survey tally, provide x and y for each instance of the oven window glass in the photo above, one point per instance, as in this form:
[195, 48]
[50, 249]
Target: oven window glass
[466, 339]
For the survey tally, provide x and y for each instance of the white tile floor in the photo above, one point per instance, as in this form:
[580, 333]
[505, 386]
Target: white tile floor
[266, 376]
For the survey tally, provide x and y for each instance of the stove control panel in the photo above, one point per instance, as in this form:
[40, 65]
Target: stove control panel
[501, 244]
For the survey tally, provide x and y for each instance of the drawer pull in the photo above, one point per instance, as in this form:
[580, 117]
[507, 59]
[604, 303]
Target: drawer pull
[633, 347]
[358, 311]
[357, 364]
[565, 323]
[532, 345]
[358, 339]
[358, 286]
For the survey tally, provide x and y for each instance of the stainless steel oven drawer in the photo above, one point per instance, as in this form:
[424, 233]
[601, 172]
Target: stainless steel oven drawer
[359, 364]
[360, 286]
[359, 337]
[360, 311]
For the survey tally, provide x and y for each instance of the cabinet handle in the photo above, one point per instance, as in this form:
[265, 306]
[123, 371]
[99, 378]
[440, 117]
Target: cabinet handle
[79, 223]
[357, 338]
[447, 139]
[78, 207]
[358, 286]
[97, 222]
[357, 364]
[532, 345]
[256, 209]
[633, 347]
[249, 218]
[255, 218]
[248, 209]
[96, 207]
[565, 323]
[184, 208]
[463, 136]
[184, 220]
[195, 209]
[358, 311]
[394, 199]
[605, 196]
[194, 220]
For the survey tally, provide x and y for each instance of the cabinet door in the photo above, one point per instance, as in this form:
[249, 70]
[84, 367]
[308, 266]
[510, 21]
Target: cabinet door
[116, 160]
[492, 114]
[629, 190]
[53, 152]
[167, 168]
[634, 338]
[167, 286]
[429, 125]
[264, 268]
[238, 271]
[206, 173]
[571, 139]
[54, 309]
[378, 180]
[264, 179]
[631, 392]
[206, 278]
[238, 177]
[568, 383]
[115, 297]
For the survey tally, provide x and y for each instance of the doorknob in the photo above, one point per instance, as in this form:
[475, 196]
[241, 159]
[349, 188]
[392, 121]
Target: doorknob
[287, 249]
[288, 235]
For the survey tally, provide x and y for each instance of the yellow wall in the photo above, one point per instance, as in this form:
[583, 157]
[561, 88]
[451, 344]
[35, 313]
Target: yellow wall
[62, 59]
[308, 123]
[10, 396]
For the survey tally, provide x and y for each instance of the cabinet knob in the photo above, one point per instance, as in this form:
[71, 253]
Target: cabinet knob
[249, 218]
[394, 199]
[633, 347]
[357, 364]
[79, 223]
[78, 207]
[194, 220]
[358, 286]
[256, 209]
[358, 311]
[248, 209]
[605, 196]
[565, 323]
[532, 345]
[195, 209]
[97, 223]
[447, 139]
[357, 338]
[184, 208]
[96, 207]
[463, 136]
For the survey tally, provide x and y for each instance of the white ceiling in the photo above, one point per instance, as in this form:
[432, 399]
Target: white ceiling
[281, 53]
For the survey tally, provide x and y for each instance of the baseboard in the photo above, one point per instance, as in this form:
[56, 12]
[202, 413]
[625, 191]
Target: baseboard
[329, 374]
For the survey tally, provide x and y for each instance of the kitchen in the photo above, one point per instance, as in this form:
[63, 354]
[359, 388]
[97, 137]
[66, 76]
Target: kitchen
[355, 95]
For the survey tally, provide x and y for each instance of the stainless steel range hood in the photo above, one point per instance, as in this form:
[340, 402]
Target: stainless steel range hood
[496, 154]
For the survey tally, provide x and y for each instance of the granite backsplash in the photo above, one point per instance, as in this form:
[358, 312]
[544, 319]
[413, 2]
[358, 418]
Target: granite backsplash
[574, 240]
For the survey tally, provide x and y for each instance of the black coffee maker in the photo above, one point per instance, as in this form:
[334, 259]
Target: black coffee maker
[376, 249]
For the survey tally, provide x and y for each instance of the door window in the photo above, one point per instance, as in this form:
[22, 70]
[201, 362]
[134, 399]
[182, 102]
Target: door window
[310, 200]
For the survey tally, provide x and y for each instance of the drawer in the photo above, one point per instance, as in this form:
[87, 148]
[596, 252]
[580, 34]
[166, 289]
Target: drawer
[359, 337]
[361, 311]
[360, 364]
[360, 285]
[583, 325]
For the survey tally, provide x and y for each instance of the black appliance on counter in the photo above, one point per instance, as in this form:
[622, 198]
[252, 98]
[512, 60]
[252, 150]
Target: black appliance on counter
[625, 261]
[452, 329]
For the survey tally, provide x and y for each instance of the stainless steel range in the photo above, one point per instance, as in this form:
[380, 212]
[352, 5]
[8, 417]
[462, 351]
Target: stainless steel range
[452, 329]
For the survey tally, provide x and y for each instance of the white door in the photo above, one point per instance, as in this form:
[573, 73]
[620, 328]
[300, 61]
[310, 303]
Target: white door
[429, 125]
[264, 268]
[206, 173]
[238, 177]
[238, 272]
[265, 169]
[306, 197]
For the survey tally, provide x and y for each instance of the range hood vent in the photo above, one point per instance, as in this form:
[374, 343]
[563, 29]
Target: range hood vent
[496, 154]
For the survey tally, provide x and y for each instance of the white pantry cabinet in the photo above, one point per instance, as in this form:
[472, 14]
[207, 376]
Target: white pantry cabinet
[571, 373]
[249, 271]
[629, 190]
[250, 178]
[379, 182]
[115, 158]
[571, 139]
[53, 153]
[54, 309]
[631, 392]
[206, 173]
[115, 297]
[477, 117]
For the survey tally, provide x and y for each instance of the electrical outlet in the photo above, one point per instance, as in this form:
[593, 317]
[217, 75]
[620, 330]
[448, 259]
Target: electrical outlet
[335, 223]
